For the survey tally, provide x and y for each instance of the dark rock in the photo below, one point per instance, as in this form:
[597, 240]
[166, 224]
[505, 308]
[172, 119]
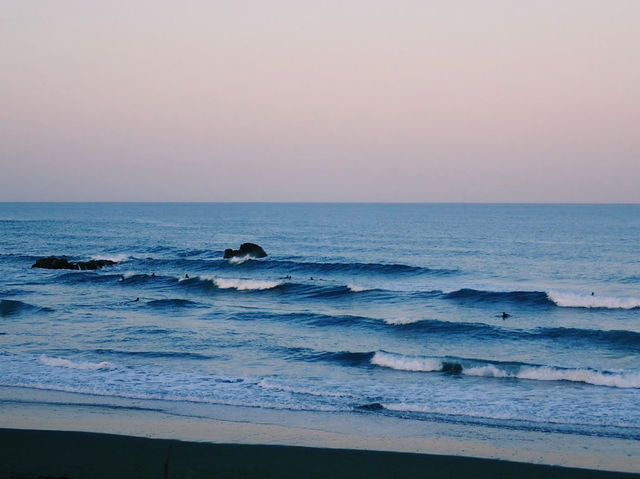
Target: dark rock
[374, 406]
[246, 249]
[55, 262]
[451, 368]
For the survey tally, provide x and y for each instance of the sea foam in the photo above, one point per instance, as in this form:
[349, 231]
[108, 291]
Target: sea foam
[240, 259]
[244, 284]
[406, 363]
[573, 300]
[66, 363]
[401, 320]
[117, 258]
[358, 289]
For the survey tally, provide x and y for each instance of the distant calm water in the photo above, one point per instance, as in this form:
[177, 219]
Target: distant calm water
[362, 309]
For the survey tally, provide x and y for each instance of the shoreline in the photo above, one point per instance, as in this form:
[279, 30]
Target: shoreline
[71, 454]
[51, 413]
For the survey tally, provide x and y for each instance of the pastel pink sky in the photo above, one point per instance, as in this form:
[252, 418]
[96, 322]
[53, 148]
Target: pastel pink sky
[489, 101]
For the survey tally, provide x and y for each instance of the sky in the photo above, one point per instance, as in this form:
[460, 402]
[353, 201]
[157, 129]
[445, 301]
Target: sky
[346, 100]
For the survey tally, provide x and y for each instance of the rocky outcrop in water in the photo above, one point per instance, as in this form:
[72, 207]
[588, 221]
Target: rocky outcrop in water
[246, 249]
[56, 262]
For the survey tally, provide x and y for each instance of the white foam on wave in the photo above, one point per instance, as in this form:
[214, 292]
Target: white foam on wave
[488, 371]
[244, 284]
[358, 289]
[575, 300]
[629, 379]
[401, 320]
[118, 258]
[66, 363]
[240, 259]
[406, 363]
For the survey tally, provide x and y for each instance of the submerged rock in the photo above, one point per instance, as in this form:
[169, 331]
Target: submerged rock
[56, 262]
[246, 249]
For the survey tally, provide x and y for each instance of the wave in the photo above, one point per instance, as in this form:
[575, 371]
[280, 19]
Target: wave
[287, 266]
[339, 267]
[538, 298]
[155, 354]
[335, 291]
[67, 363]
[230, 283]
[455, 328]
[116, 258]
[347, 358]
[241, 259]
[402, 321]
[616, 337]
[619, 339]
[281, 286]
[618, 379]
[359, 289]
[481, 368]
[406, 363]
[245, 284]
[11, 307]
[543, 298]
[573, 300]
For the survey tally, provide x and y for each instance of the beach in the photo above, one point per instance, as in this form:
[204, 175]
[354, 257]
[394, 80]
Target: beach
[33, 453]
[61, 437]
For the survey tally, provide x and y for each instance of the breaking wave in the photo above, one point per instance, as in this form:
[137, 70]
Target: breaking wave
[116, 258]
[245, 284]
[619, 379]
[230, 283]
[487, 369]
[573, 300]
[543, 298]
[67, 363]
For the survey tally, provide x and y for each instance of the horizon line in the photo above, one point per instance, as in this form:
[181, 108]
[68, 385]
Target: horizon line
[586, 203]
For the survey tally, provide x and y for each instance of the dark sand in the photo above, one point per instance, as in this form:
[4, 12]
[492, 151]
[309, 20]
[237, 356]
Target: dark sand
[57, 454]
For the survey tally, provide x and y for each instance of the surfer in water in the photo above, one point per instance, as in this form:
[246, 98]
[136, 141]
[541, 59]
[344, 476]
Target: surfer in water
[505, 315]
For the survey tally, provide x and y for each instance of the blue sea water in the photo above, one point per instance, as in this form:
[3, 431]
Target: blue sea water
[377, 309]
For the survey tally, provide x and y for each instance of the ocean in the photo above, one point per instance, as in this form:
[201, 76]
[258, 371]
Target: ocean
[380, 310]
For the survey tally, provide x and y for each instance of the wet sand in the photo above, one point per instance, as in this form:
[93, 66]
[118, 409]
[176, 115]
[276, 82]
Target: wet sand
[58, 454]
